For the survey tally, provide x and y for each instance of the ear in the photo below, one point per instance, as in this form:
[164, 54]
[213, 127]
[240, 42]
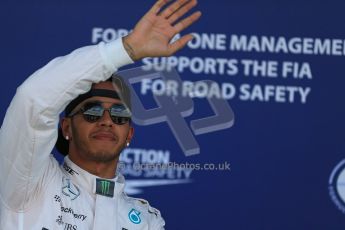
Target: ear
[66, 127]
[130, 134]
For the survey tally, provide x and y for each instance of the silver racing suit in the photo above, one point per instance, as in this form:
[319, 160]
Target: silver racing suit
[35, 191]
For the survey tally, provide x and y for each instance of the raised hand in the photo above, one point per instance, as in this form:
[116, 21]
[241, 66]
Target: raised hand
[152, 35]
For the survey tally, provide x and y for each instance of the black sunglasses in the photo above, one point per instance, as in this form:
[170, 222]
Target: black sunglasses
[93, 111]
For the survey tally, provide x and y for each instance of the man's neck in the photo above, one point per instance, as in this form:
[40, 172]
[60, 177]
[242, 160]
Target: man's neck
[101, 169]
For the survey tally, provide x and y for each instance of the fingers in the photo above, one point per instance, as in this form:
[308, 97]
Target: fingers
[182, 11]
[187, 22]
[179, 44]
[158, 6]
[173, 8]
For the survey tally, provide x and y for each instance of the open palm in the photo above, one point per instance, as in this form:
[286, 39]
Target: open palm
[153, 33]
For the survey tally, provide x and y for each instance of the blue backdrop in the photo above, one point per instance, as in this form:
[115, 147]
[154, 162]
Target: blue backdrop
[283, 64]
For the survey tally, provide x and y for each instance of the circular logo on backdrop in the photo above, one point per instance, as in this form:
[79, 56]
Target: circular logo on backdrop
[337, 186]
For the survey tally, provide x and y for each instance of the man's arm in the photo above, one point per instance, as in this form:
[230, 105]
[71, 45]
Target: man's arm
[29, 129]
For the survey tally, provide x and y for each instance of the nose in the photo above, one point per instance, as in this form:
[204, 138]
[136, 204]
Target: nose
[106, 119]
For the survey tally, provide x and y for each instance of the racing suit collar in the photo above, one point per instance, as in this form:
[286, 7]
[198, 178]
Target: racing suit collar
[89, 181]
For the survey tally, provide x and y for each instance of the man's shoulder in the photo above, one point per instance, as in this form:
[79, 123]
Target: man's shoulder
[143, 205]
[141, 211]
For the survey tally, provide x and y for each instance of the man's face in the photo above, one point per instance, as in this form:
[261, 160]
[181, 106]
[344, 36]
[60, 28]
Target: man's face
[99, 141]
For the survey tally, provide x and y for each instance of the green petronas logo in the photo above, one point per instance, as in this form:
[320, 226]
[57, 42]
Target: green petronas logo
[134, 216]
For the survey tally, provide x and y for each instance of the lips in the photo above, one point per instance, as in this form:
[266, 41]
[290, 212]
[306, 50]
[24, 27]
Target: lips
[104, 136]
